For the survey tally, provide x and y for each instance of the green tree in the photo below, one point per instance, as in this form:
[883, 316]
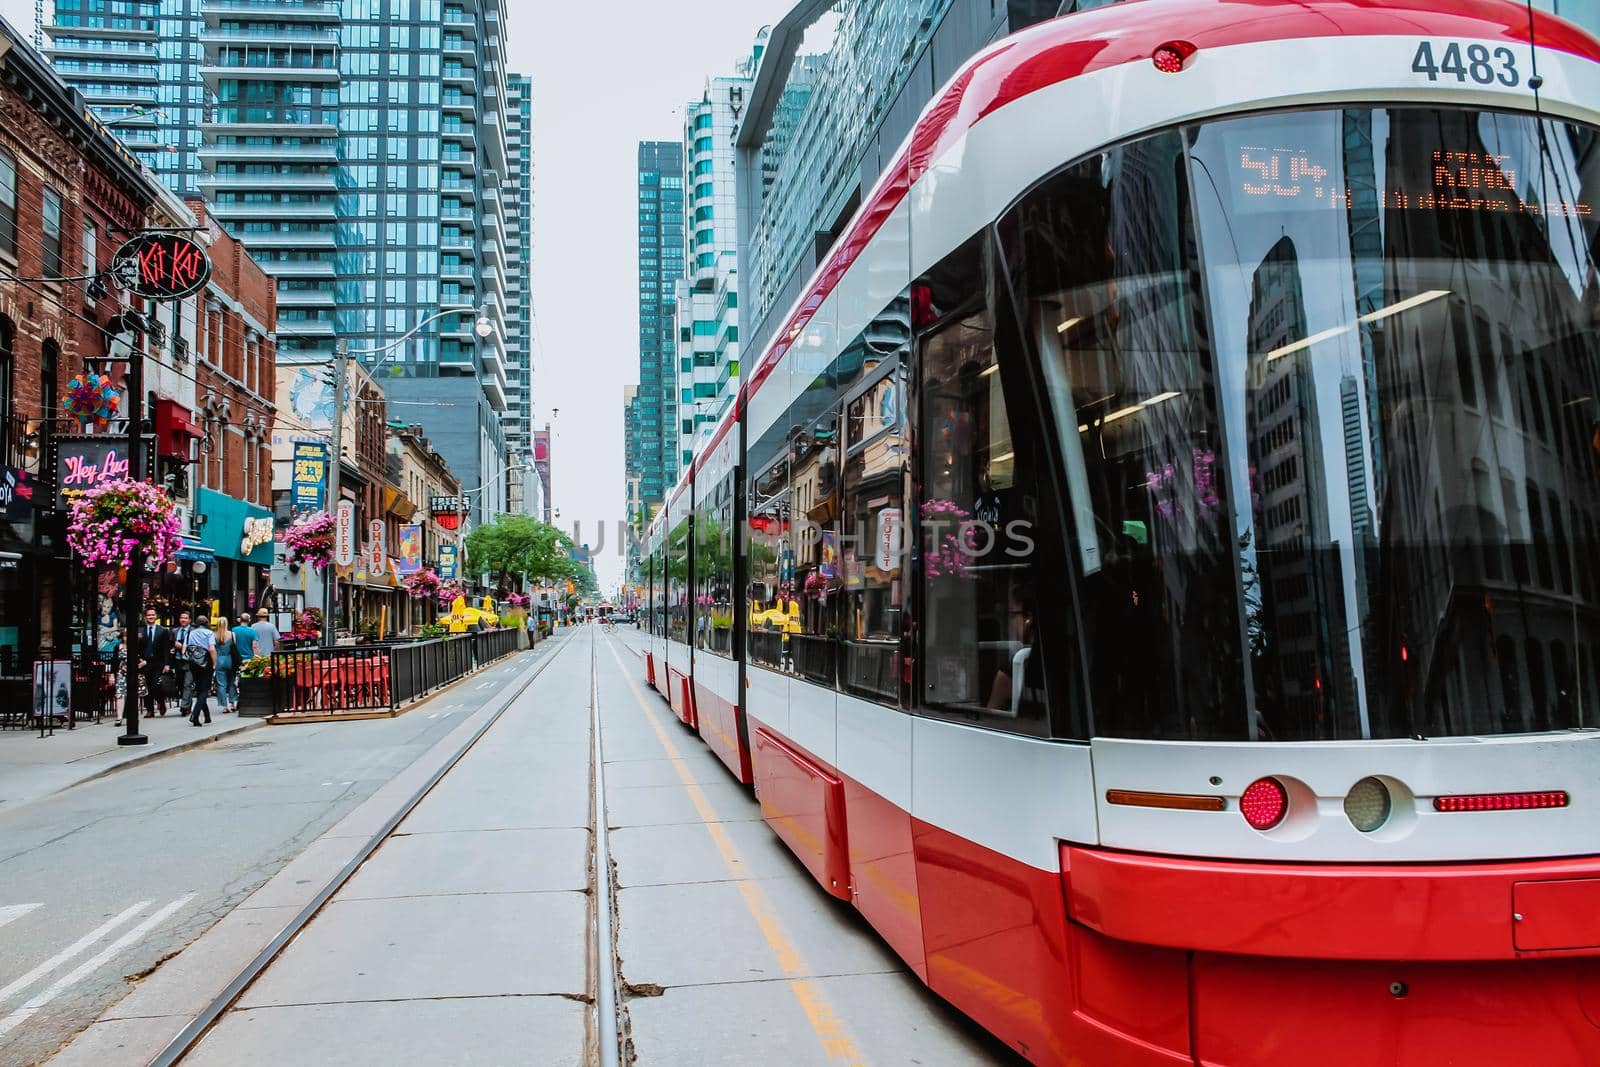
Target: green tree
[519, 546]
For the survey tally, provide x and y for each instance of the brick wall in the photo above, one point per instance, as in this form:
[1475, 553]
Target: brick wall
[235, 369]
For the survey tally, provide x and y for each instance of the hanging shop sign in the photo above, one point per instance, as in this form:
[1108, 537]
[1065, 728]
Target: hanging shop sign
[344, 533]
[377, 557]
[16, 495]
[257, 532]
[162, 266]
[408, 558]
[449, 560]
[310, 475]
[84, 462]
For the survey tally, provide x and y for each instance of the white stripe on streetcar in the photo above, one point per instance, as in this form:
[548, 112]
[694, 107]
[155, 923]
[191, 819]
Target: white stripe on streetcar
[99, 959]
[71, 951]
[12, 912]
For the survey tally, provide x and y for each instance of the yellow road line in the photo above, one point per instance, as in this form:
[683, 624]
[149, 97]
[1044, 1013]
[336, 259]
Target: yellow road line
[835, 1040]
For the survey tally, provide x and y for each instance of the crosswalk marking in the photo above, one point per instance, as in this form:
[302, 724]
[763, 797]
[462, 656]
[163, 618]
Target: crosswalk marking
[88, 966]
[12, 912]
[71, 951]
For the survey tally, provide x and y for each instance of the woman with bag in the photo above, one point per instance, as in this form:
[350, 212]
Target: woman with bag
[227, 666]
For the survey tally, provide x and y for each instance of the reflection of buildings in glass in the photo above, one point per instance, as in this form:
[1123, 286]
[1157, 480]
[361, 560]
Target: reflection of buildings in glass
[1158, 431]
[1302, 666]
[1490, 482]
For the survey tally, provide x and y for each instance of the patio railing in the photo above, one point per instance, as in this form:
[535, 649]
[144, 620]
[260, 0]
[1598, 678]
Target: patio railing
[320, 681]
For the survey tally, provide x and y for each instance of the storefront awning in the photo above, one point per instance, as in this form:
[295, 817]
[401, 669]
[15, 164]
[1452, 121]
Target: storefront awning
[193, 551]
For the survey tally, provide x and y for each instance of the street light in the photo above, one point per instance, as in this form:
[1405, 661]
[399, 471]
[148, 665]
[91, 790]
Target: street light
[482, 326]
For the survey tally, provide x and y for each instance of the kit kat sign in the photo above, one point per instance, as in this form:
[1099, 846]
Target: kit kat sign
[162, 266]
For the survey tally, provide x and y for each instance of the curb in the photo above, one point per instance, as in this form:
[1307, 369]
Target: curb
[150, 757]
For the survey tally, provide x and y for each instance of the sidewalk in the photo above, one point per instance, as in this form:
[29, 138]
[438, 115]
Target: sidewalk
[32, 767]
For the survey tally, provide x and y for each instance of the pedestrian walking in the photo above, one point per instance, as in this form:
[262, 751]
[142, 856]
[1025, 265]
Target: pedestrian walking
[200, 654]
[228, 663]
[244, 641]
[155, 661]
[267, 636]
[180, 663]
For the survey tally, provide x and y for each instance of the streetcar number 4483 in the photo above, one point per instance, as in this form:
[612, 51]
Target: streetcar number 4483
[1482, 64]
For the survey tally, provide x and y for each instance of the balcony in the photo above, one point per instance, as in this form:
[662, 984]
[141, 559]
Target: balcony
[315, 268]
[138, 30]
[459, 189]
[322, 242]
[270, 11]
[496, 392]
[212, 154]
[320, 182]
[292, 73]
[304, 298]
[234, 212]
[266, 36]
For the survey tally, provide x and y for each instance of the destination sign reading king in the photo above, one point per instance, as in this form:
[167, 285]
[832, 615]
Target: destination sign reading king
[162, 266]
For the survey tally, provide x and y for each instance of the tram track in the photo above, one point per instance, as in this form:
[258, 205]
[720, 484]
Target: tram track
[192, 1034]
[608, 1014]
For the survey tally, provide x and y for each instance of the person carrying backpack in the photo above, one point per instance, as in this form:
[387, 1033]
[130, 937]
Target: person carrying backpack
[199, 653]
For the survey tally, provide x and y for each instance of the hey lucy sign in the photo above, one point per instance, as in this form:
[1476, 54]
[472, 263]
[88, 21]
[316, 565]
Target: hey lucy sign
[84, 462]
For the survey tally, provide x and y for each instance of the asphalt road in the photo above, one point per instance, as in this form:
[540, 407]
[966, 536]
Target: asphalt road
[106, 879]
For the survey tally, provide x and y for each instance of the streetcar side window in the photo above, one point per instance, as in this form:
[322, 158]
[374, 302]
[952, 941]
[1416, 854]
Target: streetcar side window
[766, 629]
[678, 593]
[713, 571]
[811, 599]
[873, 541]
[977, 514]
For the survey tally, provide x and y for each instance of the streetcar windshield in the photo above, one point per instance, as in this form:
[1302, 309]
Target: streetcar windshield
[1325, 387]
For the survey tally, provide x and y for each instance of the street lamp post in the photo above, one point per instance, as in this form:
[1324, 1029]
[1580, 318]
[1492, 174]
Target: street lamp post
[483, 327]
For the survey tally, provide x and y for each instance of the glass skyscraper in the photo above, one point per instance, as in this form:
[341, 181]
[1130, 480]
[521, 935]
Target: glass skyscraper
[137, 64]
[362, 151]
[519, 261]
[654, 459]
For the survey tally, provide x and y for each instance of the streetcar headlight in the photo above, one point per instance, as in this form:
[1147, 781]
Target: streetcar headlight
[1368, 805]
[1264, 803]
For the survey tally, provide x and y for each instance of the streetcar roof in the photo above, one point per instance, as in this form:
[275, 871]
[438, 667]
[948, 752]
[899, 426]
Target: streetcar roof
[1078, 44]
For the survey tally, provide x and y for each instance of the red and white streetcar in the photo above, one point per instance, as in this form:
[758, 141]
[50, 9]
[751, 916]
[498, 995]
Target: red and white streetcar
[1152, 574]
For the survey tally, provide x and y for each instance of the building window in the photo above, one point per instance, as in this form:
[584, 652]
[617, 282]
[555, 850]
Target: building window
[8, 205]
[52, 234]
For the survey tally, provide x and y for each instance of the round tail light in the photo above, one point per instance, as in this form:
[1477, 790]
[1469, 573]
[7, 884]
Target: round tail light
[1264, 803]
[1171, 57]
[1368, 805]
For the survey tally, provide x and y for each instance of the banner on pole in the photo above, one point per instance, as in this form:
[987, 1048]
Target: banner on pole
[310, 476]
[408, 553]
[344, 533]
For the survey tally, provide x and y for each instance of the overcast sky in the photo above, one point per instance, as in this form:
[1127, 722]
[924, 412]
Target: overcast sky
[605, 77]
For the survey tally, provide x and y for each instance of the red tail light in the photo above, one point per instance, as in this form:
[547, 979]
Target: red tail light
[1544, 798]
[1170, 57]
[1264, 803]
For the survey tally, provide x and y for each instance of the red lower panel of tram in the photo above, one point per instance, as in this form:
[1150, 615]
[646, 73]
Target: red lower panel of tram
[1166, 961]
[718, 723]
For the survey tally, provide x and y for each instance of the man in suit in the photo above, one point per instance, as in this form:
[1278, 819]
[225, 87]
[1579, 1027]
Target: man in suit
[155, 651]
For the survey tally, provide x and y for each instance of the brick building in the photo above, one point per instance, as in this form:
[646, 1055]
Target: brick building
[69, 195]
[235, 371]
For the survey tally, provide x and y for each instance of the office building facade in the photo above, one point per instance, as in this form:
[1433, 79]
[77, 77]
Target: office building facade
[707, 300]
[524, 485]
[655, 459]
[360, 149]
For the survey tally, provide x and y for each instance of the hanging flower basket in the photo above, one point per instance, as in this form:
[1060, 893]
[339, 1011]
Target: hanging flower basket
[92, 400]
[517, 600]
[449, 590]
[422, 585]
[114, 518]
[310, 540]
